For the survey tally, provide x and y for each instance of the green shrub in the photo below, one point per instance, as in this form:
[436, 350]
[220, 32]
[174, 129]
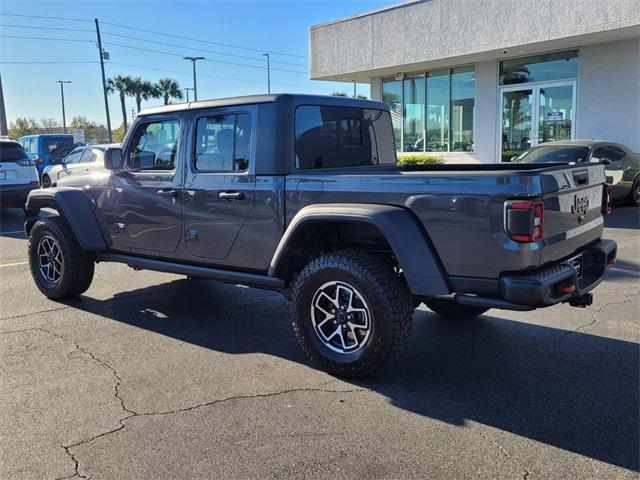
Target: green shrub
[419, 159]
[508, 155]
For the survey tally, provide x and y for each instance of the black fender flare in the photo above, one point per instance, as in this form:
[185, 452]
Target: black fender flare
[77, 209]
[407, 239]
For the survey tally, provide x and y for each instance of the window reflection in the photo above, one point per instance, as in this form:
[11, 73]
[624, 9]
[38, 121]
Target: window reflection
[392, 94]
[414, 114]
[538, 68]
[438, 111]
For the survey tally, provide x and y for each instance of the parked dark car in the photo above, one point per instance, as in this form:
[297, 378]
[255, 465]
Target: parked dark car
[302, 194]
[79, 163]
[622, 165]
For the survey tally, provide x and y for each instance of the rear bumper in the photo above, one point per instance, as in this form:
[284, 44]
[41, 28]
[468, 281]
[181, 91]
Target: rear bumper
[15, 195]
[557, 283]
[560, 282]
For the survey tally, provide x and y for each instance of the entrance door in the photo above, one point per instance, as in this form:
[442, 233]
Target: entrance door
[534, 114]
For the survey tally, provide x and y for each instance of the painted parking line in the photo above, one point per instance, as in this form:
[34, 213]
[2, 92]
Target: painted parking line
[13, 264]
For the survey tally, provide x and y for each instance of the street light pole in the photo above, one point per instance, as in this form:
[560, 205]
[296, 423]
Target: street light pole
[195, 86]
[187, 90]
[268, 72]
[64, 119]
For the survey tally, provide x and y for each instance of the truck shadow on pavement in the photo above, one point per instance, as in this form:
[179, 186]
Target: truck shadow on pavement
[567, 389]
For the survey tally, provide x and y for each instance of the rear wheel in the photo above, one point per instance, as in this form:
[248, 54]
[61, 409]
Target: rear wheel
[46, 181]
[351, 313]
[60, 268]
[633, 198]
[449, 309]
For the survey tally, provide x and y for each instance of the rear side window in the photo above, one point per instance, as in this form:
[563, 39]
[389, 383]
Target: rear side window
[222, 143]
[11, 152]
[328, 137]
[58, 146]
[611, 152]
[33, 145]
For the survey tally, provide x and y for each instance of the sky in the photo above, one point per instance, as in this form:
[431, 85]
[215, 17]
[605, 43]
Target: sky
[279, 27]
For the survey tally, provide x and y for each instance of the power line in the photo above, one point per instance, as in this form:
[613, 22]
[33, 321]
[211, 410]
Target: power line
[199, 40]
[44, 17]
[44, 62]
[38, 27]
[206, 60]
[200, 49]
[47, 38]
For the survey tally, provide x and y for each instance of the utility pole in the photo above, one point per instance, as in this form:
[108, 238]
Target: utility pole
[195, 87]
[354, 89]
[268, 72]
[104, 81]
[64, 119]
[4, 128]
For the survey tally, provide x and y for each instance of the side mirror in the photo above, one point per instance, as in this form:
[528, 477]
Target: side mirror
[113, 159]
[605, 161]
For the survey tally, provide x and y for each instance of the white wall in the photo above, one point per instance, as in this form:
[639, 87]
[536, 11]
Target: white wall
[609, 93]
[485, 115]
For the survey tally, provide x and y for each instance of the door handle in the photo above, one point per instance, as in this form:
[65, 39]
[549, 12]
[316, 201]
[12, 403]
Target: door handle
[231, 195]
[167, 193]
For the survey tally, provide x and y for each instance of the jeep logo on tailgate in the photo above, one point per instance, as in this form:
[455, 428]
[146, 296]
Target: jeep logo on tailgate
[580, 205]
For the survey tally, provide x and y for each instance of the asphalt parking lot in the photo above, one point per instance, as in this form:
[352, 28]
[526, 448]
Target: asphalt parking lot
[151, 375]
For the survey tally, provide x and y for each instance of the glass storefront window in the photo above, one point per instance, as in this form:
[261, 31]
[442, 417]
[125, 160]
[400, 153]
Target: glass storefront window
[413, 117]
[539, 68]
[438, 111]
[462, 104]
[392, 94]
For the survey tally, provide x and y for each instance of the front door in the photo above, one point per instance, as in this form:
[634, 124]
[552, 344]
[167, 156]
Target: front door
[535, 113]
[220, 184]
[148, 191]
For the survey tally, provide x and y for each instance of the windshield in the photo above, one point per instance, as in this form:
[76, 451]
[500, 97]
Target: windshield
[11, 152]
[554, 154]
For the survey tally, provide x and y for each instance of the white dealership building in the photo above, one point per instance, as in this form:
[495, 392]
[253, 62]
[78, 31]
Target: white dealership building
[488, 78]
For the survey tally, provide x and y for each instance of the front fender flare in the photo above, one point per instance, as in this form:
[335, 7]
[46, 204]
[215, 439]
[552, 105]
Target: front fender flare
[408, 241]
[76, 208]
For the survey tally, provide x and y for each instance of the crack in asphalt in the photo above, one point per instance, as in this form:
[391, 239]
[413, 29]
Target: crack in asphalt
[504, 452]
[133, 414]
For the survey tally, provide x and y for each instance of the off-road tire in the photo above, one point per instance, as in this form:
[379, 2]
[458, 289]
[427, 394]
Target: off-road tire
[78, 265]
[387, 298]
[448, 309]
[633, 199]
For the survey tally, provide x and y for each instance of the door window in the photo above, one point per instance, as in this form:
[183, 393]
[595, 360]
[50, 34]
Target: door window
[155, 146]
[73, 157]
[555, 106]
[611, 152]
[516, 122]
[88, 156]
[222, 143]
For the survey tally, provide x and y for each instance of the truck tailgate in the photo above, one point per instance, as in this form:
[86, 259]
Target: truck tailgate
[572, 209]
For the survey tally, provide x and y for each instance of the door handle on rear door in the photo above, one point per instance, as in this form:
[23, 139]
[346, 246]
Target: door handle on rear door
[231, 195]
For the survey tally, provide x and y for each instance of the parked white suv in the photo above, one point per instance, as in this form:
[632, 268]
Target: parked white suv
[18, 175]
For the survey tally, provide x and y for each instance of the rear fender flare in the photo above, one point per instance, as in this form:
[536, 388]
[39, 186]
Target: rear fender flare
[77, 209]
[407, 239]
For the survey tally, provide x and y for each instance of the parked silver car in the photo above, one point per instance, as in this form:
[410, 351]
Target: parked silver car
[621, 164]
[80, 161]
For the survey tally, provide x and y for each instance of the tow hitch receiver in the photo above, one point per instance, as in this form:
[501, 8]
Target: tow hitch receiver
[581, 301]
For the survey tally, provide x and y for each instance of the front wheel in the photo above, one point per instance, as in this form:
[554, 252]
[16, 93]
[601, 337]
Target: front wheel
[351, 313]
[60, 268]
[46, 181]
[449, 309]
[634, 195]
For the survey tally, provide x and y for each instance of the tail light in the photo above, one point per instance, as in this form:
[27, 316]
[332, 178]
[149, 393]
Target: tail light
[607, 190]
[39, 160]
[524, 220]
[27, 162]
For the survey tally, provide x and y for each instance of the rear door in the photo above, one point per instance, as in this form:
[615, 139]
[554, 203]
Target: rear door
[220, 179]
[148, 191]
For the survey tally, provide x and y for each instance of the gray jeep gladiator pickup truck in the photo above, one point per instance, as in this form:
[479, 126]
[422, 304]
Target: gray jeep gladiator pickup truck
[303, 194]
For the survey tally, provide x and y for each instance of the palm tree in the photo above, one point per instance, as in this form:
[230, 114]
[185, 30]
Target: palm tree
[143, 90]
[169, 88]
[122, 85]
